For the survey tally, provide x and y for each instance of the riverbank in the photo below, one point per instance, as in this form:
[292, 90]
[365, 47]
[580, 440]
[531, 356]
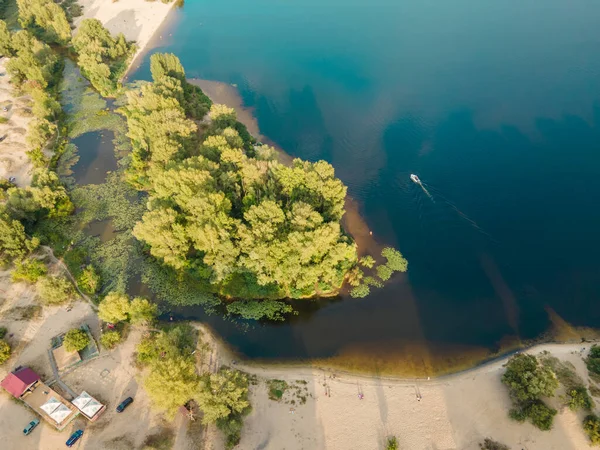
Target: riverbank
[138, 20]
[321, 408]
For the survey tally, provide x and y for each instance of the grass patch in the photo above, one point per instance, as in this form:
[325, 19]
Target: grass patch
[30, 312]
[161, 440]
[564, 371]
[276, 389]
[594, 390]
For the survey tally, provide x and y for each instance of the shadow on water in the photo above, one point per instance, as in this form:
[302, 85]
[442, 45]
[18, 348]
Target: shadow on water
[96, 157]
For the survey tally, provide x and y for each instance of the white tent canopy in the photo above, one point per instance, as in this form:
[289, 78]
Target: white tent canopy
[83, 399]
[87, 404]
[50, 406]
[61, 413]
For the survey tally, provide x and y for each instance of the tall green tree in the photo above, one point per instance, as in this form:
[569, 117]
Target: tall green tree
[102, 58]
[47, 17]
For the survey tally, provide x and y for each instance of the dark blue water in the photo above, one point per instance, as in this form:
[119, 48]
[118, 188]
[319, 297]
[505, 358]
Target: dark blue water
[493, 104]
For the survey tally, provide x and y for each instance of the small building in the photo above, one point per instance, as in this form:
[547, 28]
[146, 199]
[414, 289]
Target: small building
[89, 406]
[24, 384]
[19, 381]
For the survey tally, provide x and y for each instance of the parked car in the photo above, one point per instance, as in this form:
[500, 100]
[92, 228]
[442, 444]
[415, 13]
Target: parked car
[74, 438]
[124, 404]
[30, 426]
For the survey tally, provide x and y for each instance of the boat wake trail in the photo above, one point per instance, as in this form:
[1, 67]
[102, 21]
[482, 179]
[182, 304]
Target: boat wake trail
[427, 192]
[461, 214]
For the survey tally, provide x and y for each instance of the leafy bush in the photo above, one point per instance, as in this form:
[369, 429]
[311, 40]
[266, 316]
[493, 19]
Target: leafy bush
[114, 308]
[260, 309]
[540, 415]
[517, 414]
[579, 398]
[395, 260]
[276, 389]
[367, 261]
[29, 270]
[489, 444]
[528, 380]
[392, 443]
[54, 290]
[591, 426]
[5, 351]
[360, 291]
[110, 339]
[3, 332]
[76, 340]
[384, 272]
[142, 311]
[593, 360]
[89, 280]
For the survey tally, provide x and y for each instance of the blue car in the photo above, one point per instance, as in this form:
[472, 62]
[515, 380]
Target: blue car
[29, 428]
[74, 438]
[124, 404]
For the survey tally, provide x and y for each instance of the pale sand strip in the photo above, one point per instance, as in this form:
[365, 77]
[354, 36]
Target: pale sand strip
[455, 412]
[14, 161]
[138, 20]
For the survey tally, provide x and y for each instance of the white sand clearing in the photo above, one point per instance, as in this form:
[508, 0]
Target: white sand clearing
[14, 161]
[138, 20]
[323, 410]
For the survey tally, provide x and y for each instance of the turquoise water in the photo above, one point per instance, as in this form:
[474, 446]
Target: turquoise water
[493, 104]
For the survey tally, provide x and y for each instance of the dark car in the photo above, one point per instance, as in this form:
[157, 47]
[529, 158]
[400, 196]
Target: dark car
[30, 426]
[74, 438]
[124, 404]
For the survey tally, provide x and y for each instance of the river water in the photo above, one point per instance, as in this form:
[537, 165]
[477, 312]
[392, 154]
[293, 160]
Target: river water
[493, 104]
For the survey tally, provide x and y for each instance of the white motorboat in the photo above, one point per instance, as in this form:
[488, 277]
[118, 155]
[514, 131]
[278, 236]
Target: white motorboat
[415, 178]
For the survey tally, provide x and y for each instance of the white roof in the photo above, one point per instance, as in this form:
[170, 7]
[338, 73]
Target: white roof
[83, 399]
[61, 413]
[92, 408]
[50, 406]
[87, 404]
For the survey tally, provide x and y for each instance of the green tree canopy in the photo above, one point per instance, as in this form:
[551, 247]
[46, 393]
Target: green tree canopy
[5, 351]
[34, 61]
[102, 58]
[13, 241]
[110, 339]
[142, 311]
[54, 290]
[223, 394]
[47, 17]
[114, 308]
[76, 340]
[591, 426]
[527, 379]
[29, 270]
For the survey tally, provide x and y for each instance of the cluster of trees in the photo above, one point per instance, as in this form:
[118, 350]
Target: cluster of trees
[172, 381]
[250, 226]
[527, 381]
[362, 282]
[102, 58]
[46, 197]
[35, 69]
[117, 307]
[45, 18]
[76, 340]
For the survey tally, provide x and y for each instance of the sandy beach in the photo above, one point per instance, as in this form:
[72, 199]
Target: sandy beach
[321, 409]
[138, 20]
